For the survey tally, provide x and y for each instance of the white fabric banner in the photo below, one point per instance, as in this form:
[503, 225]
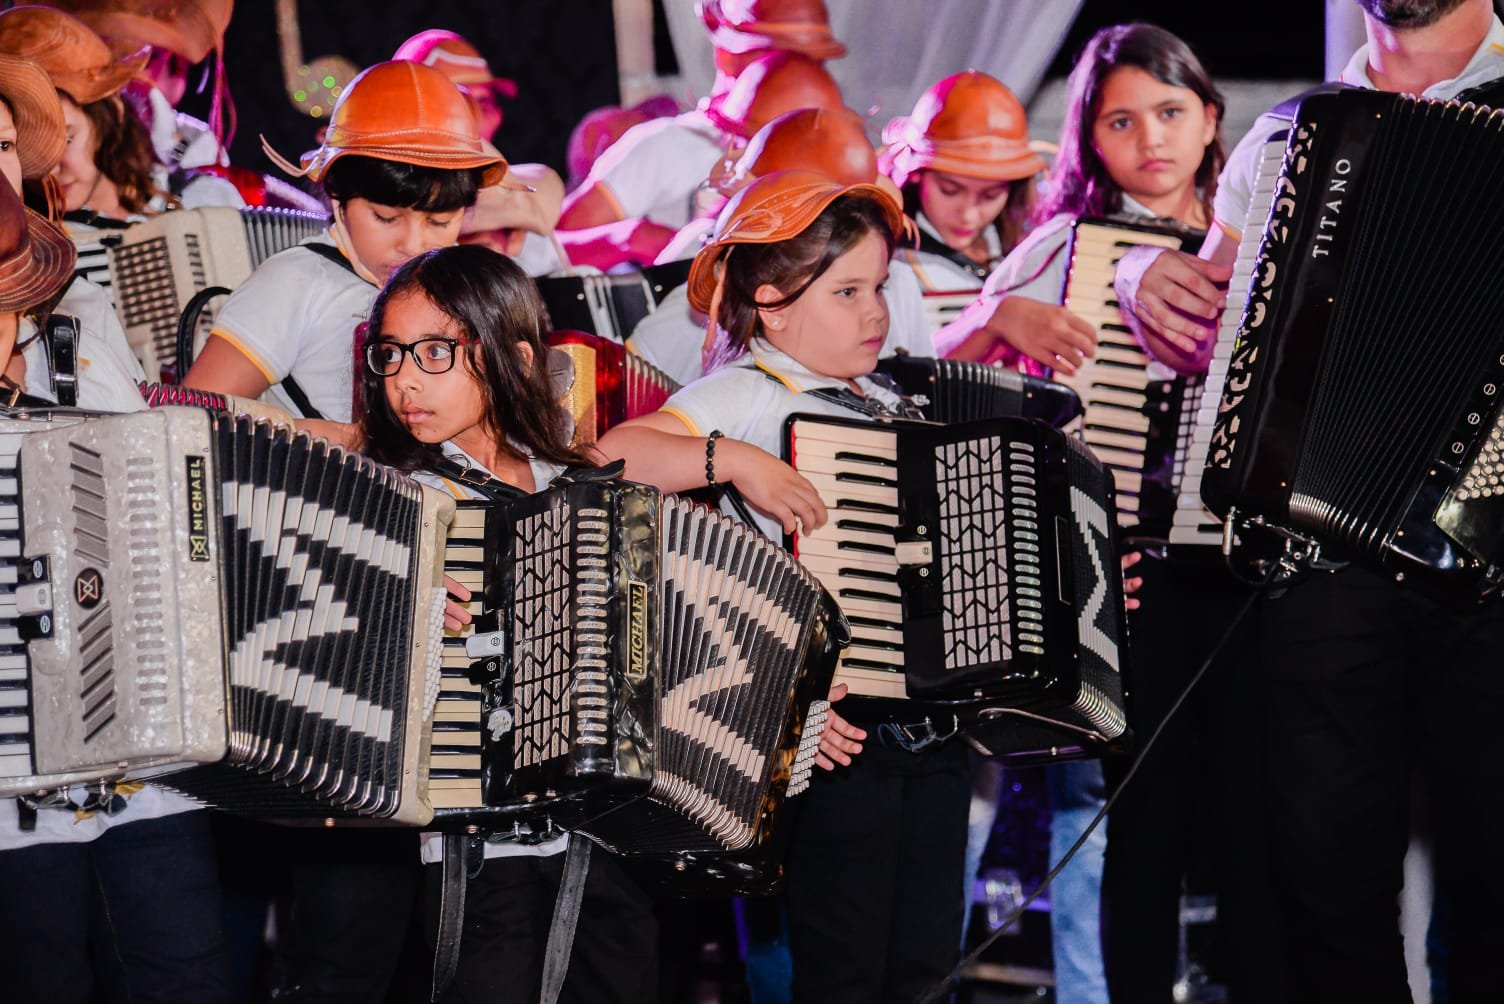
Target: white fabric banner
[897, 48]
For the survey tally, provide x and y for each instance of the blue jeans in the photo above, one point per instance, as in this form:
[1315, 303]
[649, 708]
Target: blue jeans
[1077, 792]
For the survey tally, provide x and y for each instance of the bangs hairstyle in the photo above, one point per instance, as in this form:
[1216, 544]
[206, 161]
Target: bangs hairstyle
[1012, 224]
[496, 305]
[122, 151]
[402, 186]
[1079, 183]
[792, 264]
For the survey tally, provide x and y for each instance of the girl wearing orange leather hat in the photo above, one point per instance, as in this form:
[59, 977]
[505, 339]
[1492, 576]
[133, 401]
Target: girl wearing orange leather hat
[966, 167]
[401, 161]
[793, 281]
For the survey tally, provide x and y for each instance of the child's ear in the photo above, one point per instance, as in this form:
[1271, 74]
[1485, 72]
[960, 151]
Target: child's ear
[772, 318]
[525, 352]
[1210, 132]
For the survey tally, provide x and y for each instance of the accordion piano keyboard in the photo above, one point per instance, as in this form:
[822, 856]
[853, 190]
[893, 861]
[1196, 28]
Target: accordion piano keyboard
[853, 554]
[1194, 524]
[454, 767]
[15, 700]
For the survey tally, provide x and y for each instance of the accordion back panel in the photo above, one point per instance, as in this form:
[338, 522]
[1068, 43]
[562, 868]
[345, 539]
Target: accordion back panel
[161, 263]
[1336, 418]
[1133, 413]
[272, 609]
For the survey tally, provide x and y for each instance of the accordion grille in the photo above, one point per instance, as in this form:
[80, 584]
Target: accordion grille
[545, 623]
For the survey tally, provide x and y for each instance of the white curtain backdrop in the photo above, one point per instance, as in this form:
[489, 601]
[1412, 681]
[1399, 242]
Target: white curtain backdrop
[897, 48]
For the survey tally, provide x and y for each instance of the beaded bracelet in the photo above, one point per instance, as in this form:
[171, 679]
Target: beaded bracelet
[710, 455]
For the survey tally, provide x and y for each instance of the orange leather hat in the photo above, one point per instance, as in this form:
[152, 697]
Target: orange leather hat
[405, 112]
[36, 258]
[774, 208]
[831, 142]
[801, 26]
[190, 28]
[769, 86]
[456, 58]
[968, 124]
[41, 135]
[78, 60]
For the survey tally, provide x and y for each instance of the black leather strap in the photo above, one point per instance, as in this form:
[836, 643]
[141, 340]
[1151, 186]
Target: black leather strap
[566, 917]
[61, 341]
[464, 855]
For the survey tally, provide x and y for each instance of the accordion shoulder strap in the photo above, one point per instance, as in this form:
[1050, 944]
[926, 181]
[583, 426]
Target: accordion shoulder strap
[59, 335]
[490, 487]
[464, 854]
[566, 917]
[330, 253]
[1287, 108]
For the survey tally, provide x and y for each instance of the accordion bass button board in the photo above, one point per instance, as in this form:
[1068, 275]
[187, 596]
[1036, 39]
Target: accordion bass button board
[977, 568]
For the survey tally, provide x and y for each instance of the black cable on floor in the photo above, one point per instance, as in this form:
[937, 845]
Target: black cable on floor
[938, 991]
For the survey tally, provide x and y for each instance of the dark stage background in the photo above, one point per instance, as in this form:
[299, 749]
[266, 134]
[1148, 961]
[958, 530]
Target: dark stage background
[562, 53]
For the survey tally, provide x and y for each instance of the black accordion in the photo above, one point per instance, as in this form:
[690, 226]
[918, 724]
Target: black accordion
[608, 384]
[159, 265]
[977, 567]
[953, 390]
[609, 305]
[1361, 408]
[1137, 412]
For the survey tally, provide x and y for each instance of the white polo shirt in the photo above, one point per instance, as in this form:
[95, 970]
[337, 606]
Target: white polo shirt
[671, 337]
[1235, 186]
[749, 399]
[296, 316]
[109, 374]
[655, 168]
[432, 844]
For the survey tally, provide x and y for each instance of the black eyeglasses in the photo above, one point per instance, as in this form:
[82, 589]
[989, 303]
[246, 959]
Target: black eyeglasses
[433, 355]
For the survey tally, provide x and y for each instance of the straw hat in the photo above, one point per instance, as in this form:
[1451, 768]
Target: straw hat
[36, 258]
[968, 124]
[405, 112]
[78, 60]
[41, 136]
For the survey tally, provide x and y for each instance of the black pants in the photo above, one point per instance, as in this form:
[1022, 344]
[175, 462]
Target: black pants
[508, 909]
[1200, 795]
[146, 896]
[1365, 681]
[874, 875]
[353, 893]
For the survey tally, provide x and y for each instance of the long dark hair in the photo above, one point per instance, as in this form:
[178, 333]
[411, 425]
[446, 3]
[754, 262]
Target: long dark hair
[497, 305]
[1011, 224]
[791, 266]
[123, 151]
[1079, 183]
